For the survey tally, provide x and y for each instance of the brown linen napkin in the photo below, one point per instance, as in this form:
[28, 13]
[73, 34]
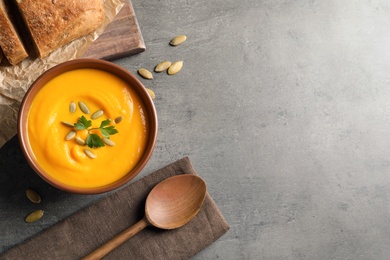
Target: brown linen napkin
[84, 231]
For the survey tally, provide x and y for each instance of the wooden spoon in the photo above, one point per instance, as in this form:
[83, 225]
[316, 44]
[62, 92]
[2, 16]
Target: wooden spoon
[170, 204]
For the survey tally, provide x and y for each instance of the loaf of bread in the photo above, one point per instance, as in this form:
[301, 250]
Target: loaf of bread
[10, 42]
[54, 23]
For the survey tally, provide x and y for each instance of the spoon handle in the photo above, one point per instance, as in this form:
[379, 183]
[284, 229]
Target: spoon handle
[118, 240]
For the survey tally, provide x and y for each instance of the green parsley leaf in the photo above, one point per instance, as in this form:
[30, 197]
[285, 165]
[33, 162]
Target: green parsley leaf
[83, 123]
[94, 141]
[107, 131]
[105, 123]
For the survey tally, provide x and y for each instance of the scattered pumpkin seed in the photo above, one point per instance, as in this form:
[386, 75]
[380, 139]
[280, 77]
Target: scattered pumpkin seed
[33, 196]
[67, 124]
[90, 154]
[108, 142]
[84, 108]
[70, 135]
[79, 141]
[151, 93]
[97, 114]
[118, 119]
[145, 73]
[34, 216]
[175, 67]
[72, 107]
[162, 66]
[178, 40]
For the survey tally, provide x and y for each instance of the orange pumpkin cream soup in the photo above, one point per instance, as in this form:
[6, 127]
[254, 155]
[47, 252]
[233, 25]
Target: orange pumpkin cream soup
[87, 128]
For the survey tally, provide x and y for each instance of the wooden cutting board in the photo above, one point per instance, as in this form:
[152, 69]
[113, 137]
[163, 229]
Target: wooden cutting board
[121, 38]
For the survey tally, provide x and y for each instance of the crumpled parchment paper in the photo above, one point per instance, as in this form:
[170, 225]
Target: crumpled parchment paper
[15, 80]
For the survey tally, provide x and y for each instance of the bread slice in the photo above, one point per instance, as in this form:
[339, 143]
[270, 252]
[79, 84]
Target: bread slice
[54, 23]
[10, 42]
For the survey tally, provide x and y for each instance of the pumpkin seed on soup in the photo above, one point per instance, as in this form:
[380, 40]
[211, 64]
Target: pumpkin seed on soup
[145, 73]
[90, 154]
[67, 124]
[33, 196]
[175, 67]
[118, 119]
[108, 142]
[34, 216]
[162, 66]
[84, 108]
[79, 141]
[72, 107]
[178, 40]
[97, 114]
[70, 135]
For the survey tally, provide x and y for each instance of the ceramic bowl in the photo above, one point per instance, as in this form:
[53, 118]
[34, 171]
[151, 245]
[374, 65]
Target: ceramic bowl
[109, 67]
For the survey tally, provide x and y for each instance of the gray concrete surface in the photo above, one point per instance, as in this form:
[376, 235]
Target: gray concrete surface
[283, 106]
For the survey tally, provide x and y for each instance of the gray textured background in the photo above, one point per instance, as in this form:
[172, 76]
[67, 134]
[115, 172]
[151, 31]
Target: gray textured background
[282, 106]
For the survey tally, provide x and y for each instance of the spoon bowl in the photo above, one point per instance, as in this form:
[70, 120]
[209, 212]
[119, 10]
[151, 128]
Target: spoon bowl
[170, 204]
[175, 201]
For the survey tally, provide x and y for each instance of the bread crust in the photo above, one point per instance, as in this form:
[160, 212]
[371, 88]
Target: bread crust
[10, 42]
[54, 23]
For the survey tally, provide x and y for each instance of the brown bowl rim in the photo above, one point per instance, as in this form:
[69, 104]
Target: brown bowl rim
[93, 64]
